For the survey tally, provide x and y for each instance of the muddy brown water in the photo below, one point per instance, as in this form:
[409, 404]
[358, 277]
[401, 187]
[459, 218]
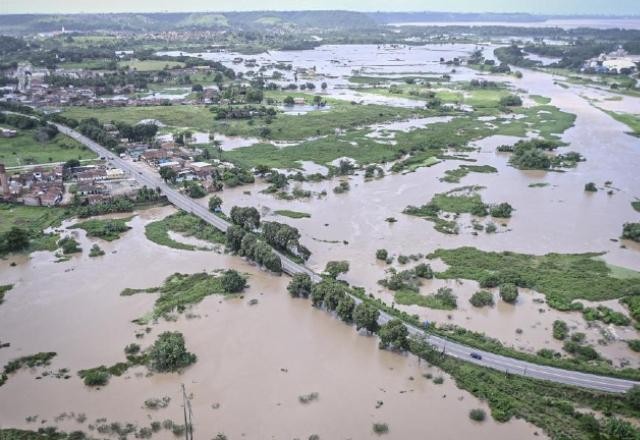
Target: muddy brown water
[560, 217]
[254, 361]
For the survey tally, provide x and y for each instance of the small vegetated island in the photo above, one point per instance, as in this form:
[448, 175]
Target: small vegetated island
[445, 208]
[563, 278]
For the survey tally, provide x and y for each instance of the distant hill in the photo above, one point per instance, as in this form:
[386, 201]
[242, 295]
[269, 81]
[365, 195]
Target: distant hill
[141, 22]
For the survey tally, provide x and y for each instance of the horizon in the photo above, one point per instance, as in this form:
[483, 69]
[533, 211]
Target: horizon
[587, 8]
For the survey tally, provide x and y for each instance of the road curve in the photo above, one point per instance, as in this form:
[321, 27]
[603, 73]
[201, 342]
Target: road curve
[457, 350]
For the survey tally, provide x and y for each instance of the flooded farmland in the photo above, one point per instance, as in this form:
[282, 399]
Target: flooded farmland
[254, 361]
[260, 353]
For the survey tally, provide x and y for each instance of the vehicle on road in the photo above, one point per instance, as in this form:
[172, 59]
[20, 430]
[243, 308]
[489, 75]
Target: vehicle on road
[476, 355]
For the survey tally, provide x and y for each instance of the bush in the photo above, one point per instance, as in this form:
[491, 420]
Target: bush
[481, 298]
[423, 271]
[631, 231]
[477, 415]
[382, 254]
[380, 428]
[634, 345]
[509, 292]
[233, 282]
[560, 329]
[503, 210]
[169, 353]
[590, 187]
[95, 377]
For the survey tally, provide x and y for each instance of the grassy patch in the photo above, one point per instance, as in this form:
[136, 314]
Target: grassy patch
[563, 278]
[292, 214]
[25, 150]
[434, 301]
[109, 229]
[538, 185]
[185, 224]
[630, 120]
[149, 65]
[454, 176]
[179, 291]
[540, 100]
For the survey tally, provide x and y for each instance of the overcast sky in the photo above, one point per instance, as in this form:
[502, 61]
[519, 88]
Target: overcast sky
[612, 7]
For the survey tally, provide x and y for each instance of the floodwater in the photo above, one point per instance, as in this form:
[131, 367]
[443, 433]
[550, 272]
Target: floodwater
[560, 217]
[568, 23]
[254, 361]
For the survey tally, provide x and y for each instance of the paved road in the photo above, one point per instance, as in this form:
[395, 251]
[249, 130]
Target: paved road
[497, 362]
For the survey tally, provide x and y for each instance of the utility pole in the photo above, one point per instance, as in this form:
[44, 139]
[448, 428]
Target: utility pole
[188, 421]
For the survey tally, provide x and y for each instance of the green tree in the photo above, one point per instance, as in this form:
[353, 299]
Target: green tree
[335, 268]
[289, 100]
[300, 285]
[423, 271]
[503, 210]
[366, 316]
[394, 334]
[508, 292]
[14, 240]
[169, 353]
[481, 298]
[168, 174]
[247, 217]
[345, 308]
[215, 202]
[382, 254]
[233, 282]
[234, 236]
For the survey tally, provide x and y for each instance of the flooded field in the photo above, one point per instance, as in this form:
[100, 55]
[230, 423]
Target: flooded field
[254, 361]
[559, 217]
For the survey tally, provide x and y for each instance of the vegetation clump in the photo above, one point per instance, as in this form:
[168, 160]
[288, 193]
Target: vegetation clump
[335, 268]
[108, 230]
[394, 334]
[560, 329]
[69, 245]
[300, 285]
[606, 315]
[477, 415]
[508, 292]
[186, 224]
[631, 231]
[563, 278]
[180, 291]
[169, 353]
[481, 298]
[95, 251]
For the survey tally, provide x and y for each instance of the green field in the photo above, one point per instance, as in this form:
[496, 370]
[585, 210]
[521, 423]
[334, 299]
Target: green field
[563, 278]
[292, 214]
[149, 65]
[630, 120]
[32, 218]
[25, 150]
[185, 224]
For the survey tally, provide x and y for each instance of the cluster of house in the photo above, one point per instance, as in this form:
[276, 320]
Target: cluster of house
[97, 183]
[32, 88]
[618, 61]
[180, 159]
[49, 187]
[36, 187]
